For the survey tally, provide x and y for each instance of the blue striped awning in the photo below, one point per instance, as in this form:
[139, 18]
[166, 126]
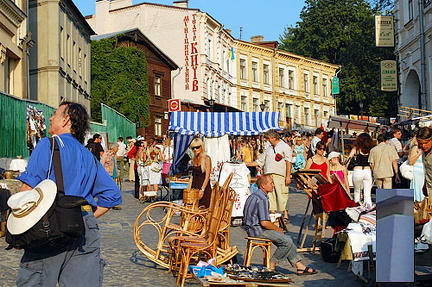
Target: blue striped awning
[218, 124]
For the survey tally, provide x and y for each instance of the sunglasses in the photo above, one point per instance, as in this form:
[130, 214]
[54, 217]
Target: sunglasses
[320, 148]
[195, 147]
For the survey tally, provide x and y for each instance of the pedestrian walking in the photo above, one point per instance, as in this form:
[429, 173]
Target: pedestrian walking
[79, 263]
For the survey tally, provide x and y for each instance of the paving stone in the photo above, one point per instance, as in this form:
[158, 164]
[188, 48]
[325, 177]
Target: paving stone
[127, 266]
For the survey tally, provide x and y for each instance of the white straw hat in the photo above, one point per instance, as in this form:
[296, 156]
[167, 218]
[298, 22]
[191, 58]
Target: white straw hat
[333, 154]
[28, 207]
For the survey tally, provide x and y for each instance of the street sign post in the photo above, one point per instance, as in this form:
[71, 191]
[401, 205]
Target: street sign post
[174, 105]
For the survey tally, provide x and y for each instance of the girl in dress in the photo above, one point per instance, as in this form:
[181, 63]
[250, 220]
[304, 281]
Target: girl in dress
[337, 168]
[319, 161]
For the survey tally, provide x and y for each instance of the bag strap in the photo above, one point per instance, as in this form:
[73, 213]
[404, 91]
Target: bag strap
[57, 167]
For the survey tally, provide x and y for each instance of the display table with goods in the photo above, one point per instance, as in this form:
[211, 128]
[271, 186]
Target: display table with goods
[239, 275]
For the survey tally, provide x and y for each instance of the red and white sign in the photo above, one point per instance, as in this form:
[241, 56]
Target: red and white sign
[174, 105]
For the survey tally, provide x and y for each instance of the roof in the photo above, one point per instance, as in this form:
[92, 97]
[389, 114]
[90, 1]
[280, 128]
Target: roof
[139, 36]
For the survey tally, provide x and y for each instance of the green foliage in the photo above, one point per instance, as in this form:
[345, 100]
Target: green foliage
[119, 80]
[342, 32]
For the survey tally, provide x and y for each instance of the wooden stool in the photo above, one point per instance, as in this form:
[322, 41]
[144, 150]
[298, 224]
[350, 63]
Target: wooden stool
[253, 243]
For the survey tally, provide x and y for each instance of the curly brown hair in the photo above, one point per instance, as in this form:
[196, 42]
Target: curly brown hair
[79, 119]
[364, 143]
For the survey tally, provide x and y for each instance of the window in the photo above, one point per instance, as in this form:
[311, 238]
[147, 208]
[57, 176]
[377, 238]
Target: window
[288, 111]
[281, 78]
[306, 116]
[209, 48]
[158, 86]
[410, 10]
[243, 69]
[306, 82]
[158, 126]
[255, 105]
[266, 106]
[315, 85]
[317, 120]
[255, 71]
[324, 87]
[291, 80]
[243, 103]
[266, 74]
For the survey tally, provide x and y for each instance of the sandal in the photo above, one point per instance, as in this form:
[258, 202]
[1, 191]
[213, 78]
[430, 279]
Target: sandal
[286, 220]
[306, 271]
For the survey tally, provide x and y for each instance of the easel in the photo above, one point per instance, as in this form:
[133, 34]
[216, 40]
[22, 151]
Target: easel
[309, 180]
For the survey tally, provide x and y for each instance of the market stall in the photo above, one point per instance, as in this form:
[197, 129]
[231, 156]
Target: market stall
[216, 127]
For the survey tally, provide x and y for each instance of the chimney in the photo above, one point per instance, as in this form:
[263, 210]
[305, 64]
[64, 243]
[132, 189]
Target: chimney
[181, 3]
[258, 38]
[228, 31]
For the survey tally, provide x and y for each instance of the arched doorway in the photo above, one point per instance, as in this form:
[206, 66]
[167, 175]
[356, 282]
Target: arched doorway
[410, 96]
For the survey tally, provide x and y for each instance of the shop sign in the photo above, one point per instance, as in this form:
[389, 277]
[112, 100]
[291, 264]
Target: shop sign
[384, 31]
[388, 76]
[190, 52]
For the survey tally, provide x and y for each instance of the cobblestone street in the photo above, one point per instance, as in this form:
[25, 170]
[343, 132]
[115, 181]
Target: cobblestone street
[126, 266]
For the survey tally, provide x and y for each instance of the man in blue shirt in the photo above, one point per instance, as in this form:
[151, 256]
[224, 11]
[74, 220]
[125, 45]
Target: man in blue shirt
[257, 220]
[78, 264]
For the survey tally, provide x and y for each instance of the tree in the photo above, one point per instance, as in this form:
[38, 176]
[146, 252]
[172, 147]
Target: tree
[342, 32]
[119, 80]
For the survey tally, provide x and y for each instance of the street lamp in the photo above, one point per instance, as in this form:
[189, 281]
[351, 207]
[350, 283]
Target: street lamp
[361, 108]
[211, 103]
[262, 107]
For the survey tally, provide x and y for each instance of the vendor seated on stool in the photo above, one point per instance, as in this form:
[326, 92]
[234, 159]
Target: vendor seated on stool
[258, 224]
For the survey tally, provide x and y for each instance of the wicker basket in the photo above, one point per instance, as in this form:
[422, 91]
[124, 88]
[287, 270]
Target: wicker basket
[190, 195]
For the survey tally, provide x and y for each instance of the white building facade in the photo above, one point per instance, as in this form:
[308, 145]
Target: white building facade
[193, 39]
[414, 52]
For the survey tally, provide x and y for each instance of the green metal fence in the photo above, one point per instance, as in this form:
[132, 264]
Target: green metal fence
[13, 115]
[117, 124]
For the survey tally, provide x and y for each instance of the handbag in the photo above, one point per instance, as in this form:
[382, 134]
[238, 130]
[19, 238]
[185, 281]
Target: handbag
[407, 170]
[155, 166]
[352, 162]
[422, 211]
[60, 225]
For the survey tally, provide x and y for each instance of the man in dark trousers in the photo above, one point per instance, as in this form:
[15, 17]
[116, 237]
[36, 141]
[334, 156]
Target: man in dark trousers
[78, 263]
[257, 221]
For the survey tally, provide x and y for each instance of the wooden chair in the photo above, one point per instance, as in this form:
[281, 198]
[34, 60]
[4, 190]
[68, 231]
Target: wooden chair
[188, 249]
[252, 244]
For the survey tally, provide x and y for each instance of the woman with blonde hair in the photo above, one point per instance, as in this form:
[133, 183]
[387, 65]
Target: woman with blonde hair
[201, 168]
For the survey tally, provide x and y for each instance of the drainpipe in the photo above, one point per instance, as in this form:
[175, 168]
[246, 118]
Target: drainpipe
[424, 101]
[172, 82]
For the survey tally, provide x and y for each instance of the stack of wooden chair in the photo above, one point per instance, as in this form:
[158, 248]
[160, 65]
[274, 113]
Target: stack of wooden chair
[212, 241]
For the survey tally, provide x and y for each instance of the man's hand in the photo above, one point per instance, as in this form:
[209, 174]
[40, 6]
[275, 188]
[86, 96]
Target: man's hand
[287, 180]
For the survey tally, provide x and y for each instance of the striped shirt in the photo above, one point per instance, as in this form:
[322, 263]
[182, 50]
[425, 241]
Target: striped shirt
[256, 209]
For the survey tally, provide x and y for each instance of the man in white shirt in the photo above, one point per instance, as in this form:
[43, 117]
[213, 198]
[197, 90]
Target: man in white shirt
[120, 157]
[276, 161]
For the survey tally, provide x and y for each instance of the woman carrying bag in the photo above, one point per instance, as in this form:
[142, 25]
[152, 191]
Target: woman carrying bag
[362, 173]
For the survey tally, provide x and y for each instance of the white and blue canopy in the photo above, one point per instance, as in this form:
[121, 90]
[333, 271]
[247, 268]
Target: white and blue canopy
[186, 125]
[219, 124]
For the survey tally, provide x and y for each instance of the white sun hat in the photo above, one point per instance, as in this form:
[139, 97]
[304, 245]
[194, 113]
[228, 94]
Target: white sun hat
[333, 154]
[28, 207]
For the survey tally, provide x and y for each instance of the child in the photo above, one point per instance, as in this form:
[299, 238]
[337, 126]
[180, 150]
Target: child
[337, 168]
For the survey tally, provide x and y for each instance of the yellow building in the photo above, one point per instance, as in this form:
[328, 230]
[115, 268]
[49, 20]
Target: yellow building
[14, 44]
[60, 58]
[270, 79]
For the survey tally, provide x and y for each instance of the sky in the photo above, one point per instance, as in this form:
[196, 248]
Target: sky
[254, 17]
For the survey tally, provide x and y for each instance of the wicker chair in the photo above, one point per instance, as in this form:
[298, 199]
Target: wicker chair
[206, 247]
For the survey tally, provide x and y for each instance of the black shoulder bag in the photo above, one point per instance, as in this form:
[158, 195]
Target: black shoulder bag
[62, 224]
